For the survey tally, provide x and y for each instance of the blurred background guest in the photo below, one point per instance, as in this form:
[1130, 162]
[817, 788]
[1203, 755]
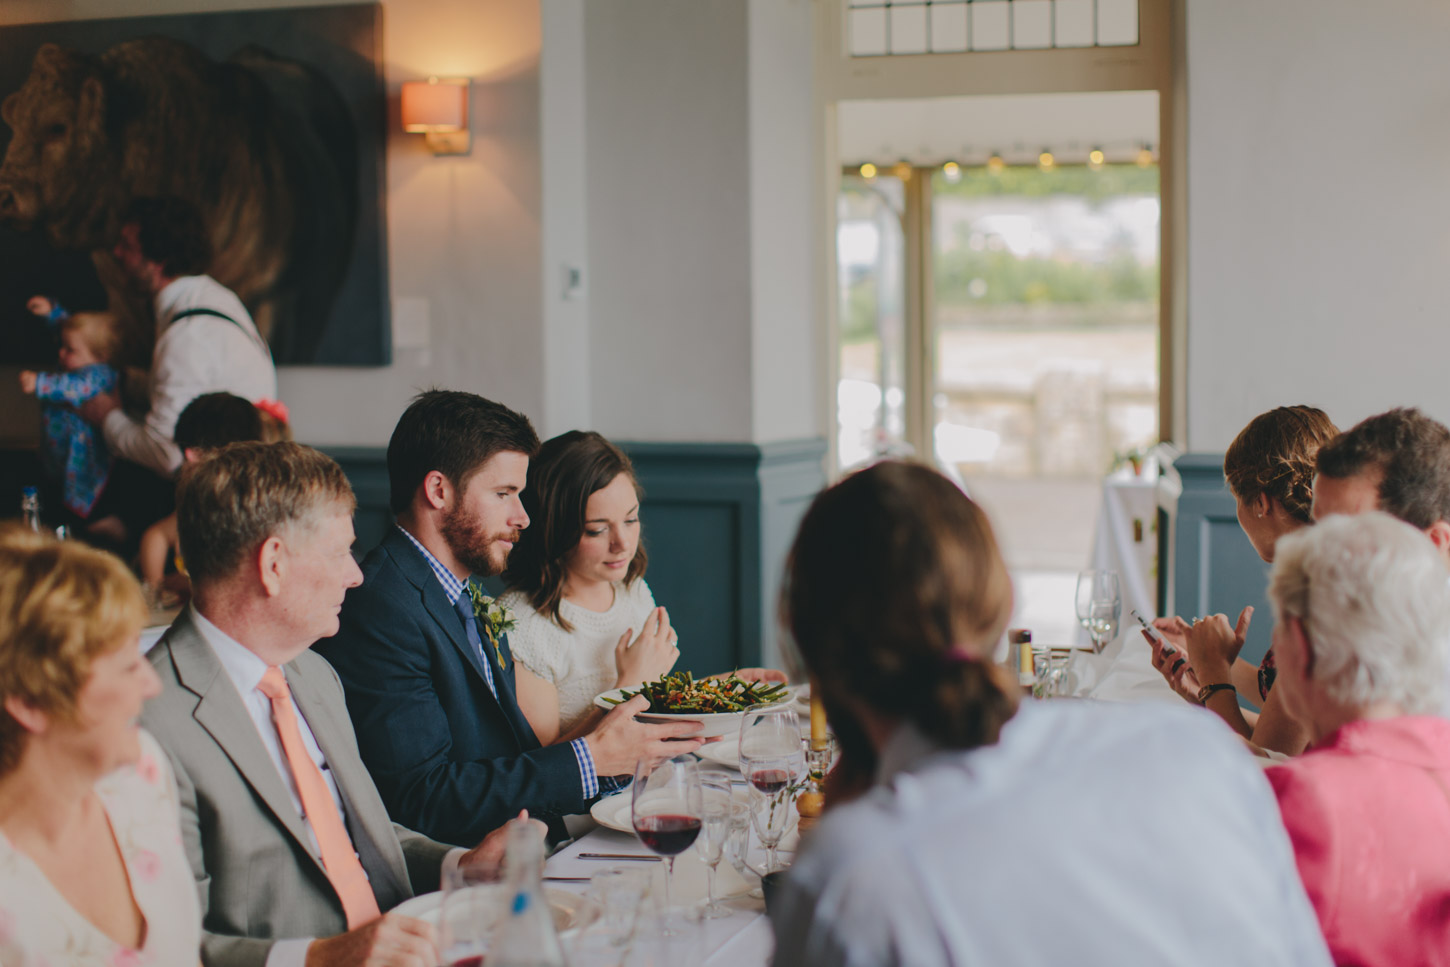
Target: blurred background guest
[74, 456]
[209, 422]
[1049, 834]
[91, 866]
[1363, 640]
[1269, 468]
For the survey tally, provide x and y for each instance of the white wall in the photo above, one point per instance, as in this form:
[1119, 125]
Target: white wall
[786, 344]
[702, 289]
[567, 382]
[463, 233]
[1318, 209]
[669, 229]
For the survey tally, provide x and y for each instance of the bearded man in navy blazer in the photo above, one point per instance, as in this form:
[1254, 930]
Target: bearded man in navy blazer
[430, 691]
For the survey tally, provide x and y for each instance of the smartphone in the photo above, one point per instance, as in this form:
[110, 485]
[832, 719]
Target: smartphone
[1154, 633]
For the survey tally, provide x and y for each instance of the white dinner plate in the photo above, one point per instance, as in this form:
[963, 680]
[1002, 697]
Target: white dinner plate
[726, 753]
[572, 911]
[613, 812]
[716, 724]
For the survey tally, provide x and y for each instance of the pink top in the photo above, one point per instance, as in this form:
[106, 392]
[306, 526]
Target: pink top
[1368, 812]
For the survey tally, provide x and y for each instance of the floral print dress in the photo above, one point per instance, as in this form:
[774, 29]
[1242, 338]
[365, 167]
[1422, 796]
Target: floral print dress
[38, 928]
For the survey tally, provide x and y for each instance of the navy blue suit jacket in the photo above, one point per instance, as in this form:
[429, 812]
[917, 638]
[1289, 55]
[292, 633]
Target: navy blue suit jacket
[449, 759]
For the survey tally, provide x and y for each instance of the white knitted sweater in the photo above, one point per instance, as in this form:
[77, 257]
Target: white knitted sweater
[579, 663]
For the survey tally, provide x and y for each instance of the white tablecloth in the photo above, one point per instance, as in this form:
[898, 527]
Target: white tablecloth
[742, 939]
[1126, 540]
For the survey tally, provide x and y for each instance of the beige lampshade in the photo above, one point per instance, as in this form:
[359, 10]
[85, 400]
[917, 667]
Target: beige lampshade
[435, 105]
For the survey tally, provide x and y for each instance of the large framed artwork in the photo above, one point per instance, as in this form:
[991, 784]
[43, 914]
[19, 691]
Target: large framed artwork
[272, 123]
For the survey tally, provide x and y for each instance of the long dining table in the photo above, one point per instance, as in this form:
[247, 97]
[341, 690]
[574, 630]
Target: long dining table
[742, 939]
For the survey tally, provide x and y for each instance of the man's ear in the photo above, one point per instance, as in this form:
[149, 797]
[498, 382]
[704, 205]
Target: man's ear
[1439, 533]
[30, 718]
[1303, 642]
[272, 565]
[437, 490]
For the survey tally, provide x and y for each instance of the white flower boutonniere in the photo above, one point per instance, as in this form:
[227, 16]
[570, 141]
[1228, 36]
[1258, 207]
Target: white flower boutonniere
[494, 620]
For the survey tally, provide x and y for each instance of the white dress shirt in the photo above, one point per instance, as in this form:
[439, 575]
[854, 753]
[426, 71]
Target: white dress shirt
[1094, 835]
[196, 355]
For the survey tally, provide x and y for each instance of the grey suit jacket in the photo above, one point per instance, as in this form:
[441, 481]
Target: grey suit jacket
[259, 878]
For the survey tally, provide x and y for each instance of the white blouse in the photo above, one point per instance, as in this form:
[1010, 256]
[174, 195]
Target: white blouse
[579, 663]
[1092, 834]
[37, 925]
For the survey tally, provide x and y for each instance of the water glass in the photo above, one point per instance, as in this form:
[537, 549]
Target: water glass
[771, 816]
[1099, 605]
[471, 907]
[719, 806]
[1050, 667]
[620, 892]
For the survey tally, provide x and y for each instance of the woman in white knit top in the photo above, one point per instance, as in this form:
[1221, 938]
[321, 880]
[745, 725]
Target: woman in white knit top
[586, 621]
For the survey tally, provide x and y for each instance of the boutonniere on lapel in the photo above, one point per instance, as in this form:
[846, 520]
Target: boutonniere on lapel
[494, 619]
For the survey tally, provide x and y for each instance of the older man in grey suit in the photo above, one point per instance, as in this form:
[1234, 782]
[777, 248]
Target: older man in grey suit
[294, 855]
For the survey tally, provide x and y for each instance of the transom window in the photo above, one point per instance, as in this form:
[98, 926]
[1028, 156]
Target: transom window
[879, 28]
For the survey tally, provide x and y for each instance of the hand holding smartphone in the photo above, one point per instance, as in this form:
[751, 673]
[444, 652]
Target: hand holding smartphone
[1154, 633]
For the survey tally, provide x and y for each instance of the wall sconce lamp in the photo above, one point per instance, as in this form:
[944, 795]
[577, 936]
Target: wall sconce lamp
[438, 109]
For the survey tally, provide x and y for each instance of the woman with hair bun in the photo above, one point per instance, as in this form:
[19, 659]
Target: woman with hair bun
[993, 833]
[1269, 468]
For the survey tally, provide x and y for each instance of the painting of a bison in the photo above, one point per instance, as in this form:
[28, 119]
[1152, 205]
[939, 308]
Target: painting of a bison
[270, 122]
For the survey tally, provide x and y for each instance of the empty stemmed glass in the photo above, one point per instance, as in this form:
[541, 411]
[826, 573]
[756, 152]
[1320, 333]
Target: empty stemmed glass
[666, 812]
[1099, 605]
[772, 760]
[466, 917]
[717, 807]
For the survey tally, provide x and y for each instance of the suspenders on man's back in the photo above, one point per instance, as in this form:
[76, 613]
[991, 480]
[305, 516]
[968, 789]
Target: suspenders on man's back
[202, 311]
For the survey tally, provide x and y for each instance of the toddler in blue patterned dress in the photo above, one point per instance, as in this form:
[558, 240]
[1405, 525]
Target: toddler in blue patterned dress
[74, 451]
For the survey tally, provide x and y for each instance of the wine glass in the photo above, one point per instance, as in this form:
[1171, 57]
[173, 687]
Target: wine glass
[1099, 605]
[771, 756]
[466, 917]
[717, 807]
[666, 812]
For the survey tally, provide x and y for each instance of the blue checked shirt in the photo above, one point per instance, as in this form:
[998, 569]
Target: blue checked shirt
[452, 588]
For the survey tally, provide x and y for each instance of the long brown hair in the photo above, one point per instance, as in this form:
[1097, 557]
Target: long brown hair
[568, 469]
[896, 595]
[1274, 456]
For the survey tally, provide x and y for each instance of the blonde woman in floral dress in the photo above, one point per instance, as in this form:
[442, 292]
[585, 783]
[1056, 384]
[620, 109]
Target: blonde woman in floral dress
[92, 872]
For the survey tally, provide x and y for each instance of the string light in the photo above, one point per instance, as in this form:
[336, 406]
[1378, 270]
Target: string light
[995, 164]
[868, 171]
[1095, 158]
[952, 172]
[1045, 160]
[902, 170]
[1145, 156]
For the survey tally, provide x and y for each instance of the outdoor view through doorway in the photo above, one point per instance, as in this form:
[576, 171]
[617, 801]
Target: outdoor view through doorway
[1012, 297]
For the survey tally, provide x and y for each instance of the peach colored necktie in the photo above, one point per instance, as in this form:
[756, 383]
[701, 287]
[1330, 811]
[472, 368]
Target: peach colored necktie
[338, 856]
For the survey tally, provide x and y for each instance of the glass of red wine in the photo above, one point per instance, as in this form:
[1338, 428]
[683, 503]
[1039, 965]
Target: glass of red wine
[772, 760]
[667, 812]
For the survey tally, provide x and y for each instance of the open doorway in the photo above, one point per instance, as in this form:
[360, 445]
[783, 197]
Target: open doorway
[998, 271]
